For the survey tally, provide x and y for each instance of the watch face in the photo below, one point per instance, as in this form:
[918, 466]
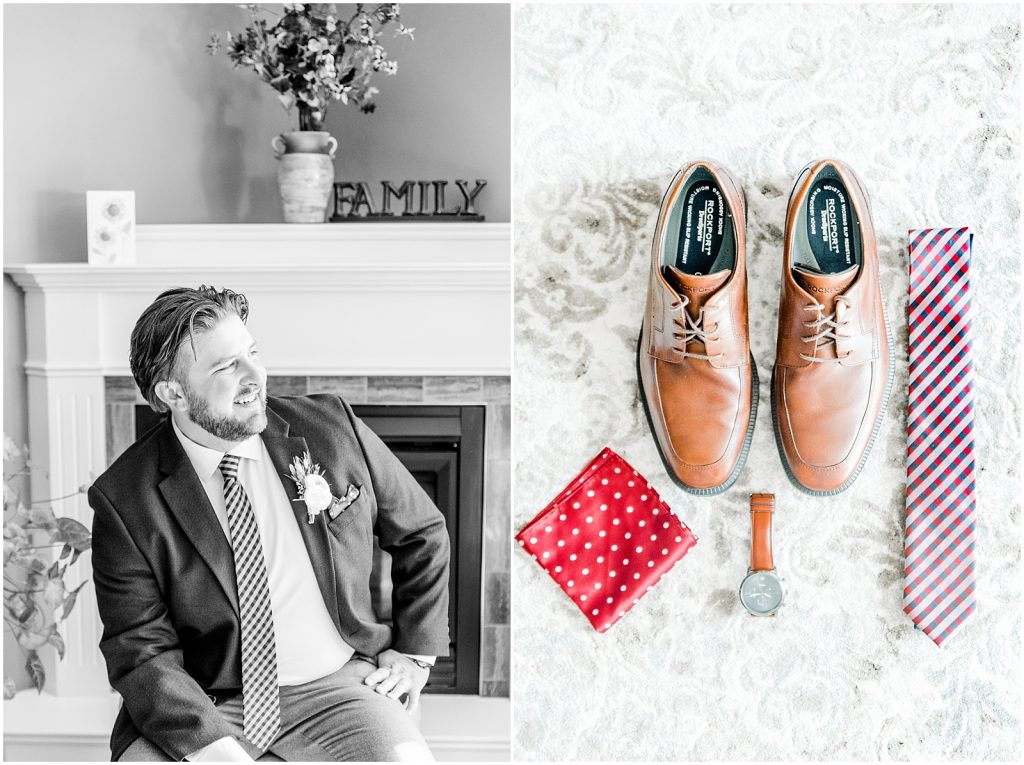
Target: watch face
[761, 593]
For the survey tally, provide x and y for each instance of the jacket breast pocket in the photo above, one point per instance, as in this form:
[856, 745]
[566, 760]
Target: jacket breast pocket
[356, 509]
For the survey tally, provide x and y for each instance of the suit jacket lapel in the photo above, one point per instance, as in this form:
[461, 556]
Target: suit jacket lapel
[283, 448]
[188, 502]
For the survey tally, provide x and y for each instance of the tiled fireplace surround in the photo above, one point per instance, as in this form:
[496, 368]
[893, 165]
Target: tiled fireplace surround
[122, 396]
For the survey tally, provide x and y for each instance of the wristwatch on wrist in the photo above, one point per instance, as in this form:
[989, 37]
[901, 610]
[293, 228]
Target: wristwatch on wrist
[420, 663]
[761, 590]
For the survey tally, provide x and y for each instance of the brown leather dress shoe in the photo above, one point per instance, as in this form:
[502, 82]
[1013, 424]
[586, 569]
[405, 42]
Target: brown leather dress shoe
[833, 362]
[697, 379]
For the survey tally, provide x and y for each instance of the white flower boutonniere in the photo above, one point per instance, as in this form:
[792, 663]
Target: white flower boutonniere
[313, 487]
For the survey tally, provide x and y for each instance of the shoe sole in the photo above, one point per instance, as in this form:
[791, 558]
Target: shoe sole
[713, 490]
[885, 399]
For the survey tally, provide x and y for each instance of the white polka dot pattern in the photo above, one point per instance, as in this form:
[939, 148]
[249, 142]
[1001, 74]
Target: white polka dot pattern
[600, 511]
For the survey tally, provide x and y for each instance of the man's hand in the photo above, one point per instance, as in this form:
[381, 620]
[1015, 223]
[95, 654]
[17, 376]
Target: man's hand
[397, 674]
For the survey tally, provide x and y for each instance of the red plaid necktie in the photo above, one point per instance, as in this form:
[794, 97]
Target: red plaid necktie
[939, 590]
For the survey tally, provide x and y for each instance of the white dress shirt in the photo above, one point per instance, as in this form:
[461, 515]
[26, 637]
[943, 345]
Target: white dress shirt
[308, 644]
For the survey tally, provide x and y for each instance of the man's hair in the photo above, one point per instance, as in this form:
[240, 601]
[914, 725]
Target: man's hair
[174, 317]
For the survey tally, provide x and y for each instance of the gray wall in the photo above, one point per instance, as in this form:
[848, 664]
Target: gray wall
[126, 97]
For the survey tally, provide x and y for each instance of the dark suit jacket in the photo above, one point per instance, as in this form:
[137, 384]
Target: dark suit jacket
[165, 578]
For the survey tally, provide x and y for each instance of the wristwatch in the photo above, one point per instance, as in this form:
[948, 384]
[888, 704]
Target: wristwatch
[761, 590]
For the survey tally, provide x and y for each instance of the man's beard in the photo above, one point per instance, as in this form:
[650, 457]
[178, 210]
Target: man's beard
[226, 428]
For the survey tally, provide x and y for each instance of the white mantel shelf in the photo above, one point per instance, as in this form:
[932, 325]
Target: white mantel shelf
[341, 298]
[316, 258]
[348, 274]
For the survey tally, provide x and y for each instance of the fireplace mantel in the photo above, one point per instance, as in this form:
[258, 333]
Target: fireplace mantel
[475, 248]
[356, 298]
[378, 299]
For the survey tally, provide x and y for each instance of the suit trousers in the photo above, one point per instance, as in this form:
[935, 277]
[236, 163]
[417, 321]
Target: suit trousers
[333, 719]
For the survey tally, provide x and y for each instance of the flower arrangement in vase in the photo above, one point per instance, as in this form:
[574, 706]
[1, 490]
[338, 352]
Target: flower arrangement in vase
[310, 57]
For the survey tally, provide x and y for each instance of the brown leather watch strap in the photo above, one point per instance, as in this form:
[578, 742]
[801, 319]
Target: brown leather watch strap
[762, 508]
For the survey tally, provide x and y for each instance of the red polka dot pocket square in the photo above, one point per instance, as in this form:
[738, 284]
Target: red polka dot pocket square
[606, 539]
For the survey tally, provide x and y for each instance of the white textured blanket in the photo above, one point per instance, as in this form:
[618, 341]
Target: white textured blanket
[923, 101]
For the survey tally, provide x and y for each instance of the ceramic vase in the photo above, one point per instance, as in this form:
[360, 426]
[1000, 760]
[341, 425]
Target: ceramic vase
[305, 173]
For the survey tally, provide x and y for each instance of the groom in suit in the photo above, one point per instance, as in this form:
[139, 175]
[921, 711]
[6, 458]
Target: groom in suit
[234, 582]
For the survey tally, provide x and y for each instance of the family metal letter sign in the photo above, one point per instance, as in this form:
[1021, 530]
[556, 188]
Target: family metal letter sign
[412, 201]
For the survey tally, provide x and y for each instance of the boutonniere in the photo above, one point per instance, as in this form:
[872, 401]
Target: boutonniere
[315, 491]
[313, 487]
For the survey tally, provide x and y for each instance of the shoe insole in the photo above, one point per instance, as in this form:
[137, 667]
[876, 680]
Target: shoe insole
[831, 226]
[705, 224]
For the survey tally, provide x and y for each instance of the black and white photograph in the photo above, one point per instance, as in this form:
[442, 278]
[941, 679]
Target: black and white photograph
[257, 382]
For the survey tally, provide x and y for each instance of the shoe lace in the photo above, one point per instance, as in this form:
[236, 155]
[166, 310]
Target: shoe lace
[693, 330]
[826, 329]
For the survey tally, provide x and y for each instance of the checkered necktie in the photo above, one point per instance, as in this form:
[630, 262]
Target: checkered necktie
[261, 710]
[939, 590]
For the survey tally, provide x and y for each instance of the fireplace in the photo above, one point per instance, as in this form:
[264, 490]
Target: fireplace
[443, 447]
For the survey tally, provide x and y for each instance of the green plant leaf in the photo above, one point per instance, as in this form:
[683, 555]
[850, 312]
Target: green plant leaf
[10, 495]
[322, 10]
[73, 533]
[14, 526]
[9, 688]
[70, 599]
[21, 514]
[53, 592]
[35, 670]
[11, 450]
[42, 517]
[287, 100]
[57, 642]
[54, 570]
[65, 551]
[20, 606]
[10, 549]
[38, 628]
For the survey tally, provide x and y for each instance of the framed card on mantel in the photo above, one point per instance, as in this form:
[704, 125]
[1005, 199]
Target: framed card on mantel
[110, 226]
[354, 201]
